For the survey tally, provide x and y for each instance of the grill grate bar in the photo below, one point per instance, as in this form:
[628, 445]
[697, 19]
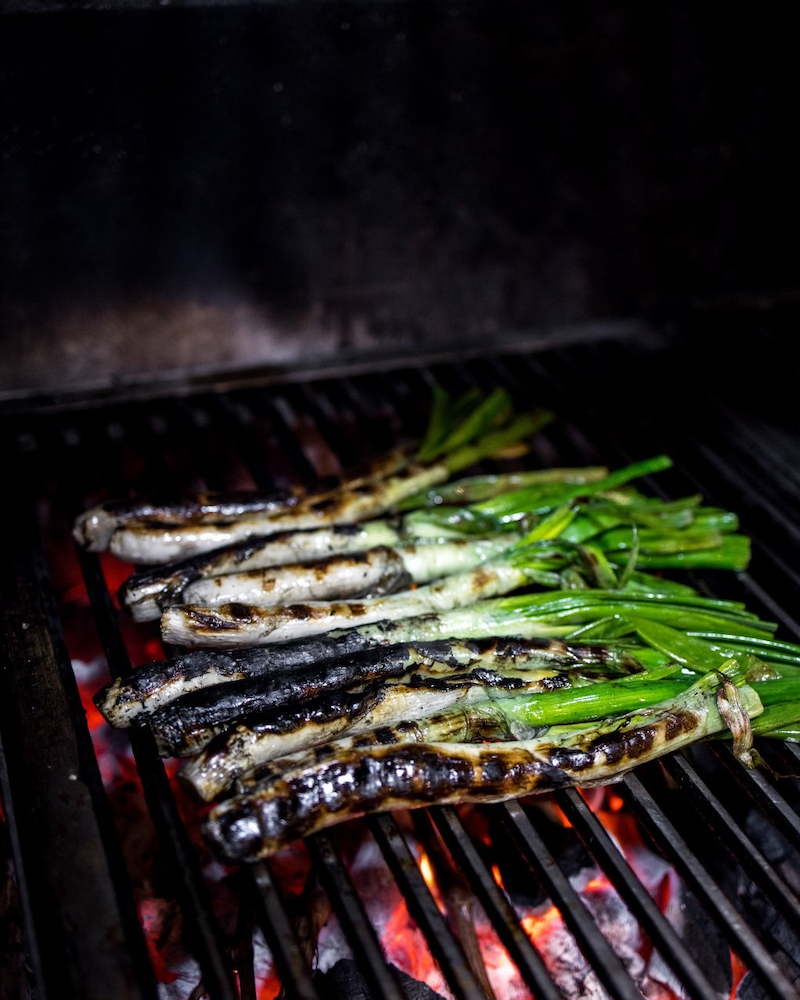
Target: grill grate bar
[760, 443]
[243, 948]
[261, 441]
[495, 903]
[280, 936]
[372, 412]
[465, 377]
[253, 444]
[313, 433]
[314, 401]
[742, 480]
[359, 932]
[738, 843]
[204, 931]
[389, 412]
[708, 470]
[52, 785]
[592, 943]
[330, 867]
[204, 446]
[277, 927]
[676, 850]
[613, 864]
[734, 477]
[278, 415]
[175, 441]
[762, 793]
[423, 908]
[792, 751]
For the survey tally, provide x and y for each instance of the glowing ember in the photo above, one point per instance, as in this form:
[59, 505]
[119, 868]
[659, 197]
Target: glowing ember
[497, 876]
[403, 943]
[739, 972]
[426, 870]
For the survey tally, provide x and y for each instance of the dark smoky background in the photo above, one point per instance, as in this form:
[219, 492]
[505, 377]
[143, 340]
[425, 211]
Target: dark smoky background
[191, 189]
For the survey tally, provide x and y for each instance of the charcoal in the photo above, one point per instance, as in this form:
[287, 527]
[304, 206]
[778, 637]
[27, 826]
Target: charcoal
[751, 988]
[561, 841]
[781, 939]
[707, 945]
[344, 981]
[772, 844]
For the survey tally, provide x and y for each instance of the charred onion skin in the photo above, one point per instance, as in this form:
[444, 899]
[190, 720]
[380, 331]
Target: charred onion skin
[180, 726]
[385, 707]
[248, 625]
[322, 789]
[188, 724]
[156, 684]
[142, 542]
[93, 529]
[369, 561]
[251, 827]
[390, 479]
[377, 571]
[145, 593]
[160, 680]
[406, 776]
[236, 751]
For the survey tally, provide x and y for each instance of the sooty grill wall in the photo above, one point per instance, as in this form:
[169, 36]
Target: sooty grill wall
[190, 188]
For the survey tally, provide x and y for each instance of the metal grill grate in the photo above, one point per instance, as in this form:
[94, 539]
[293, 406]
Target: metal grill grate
[82, 928]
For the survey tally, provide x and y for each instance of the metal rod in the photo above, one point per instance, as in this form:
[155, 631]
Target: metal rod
[762, 793]
[742, 848]
[359, 932]
[609, 968]
[424, 910]
[494, 901]
[694, 873]
[613, 864]
[204, 932]
[296, 978]
[65, 854]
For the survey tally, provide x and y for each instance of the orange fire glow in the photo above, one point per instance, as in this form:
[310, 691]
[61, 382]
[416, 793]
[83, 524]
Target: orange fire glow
[405, 946]
[739, 970]
[497, 876]
[427, 871]
[535, 926]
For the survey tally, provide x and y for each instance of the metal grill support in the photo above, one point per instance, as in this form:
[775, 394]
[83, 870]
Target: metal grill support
[68, 864]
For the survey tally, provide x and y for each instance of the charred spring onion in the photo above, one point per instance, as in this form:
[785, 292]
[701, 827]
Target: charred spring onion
[612, 529]
[425, 707]
[312, 795]
[134, 533]
[359, 650]
[147, 592]
[596, 544]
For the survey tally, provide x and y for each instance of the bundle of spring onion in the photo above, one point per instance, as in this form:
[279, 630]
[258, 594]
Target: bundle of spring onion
[459, 434]
[358, 652]
[555, 535]
[567, 713]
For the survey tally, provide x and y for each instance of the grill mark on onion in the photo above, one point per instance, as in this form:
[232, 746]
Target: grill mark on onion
[309, 797]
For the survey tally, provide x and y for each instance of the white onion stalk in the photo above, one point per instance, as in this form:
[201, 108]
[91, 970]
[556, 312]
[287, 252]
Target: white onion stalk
[380, 570]
[238, 624]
